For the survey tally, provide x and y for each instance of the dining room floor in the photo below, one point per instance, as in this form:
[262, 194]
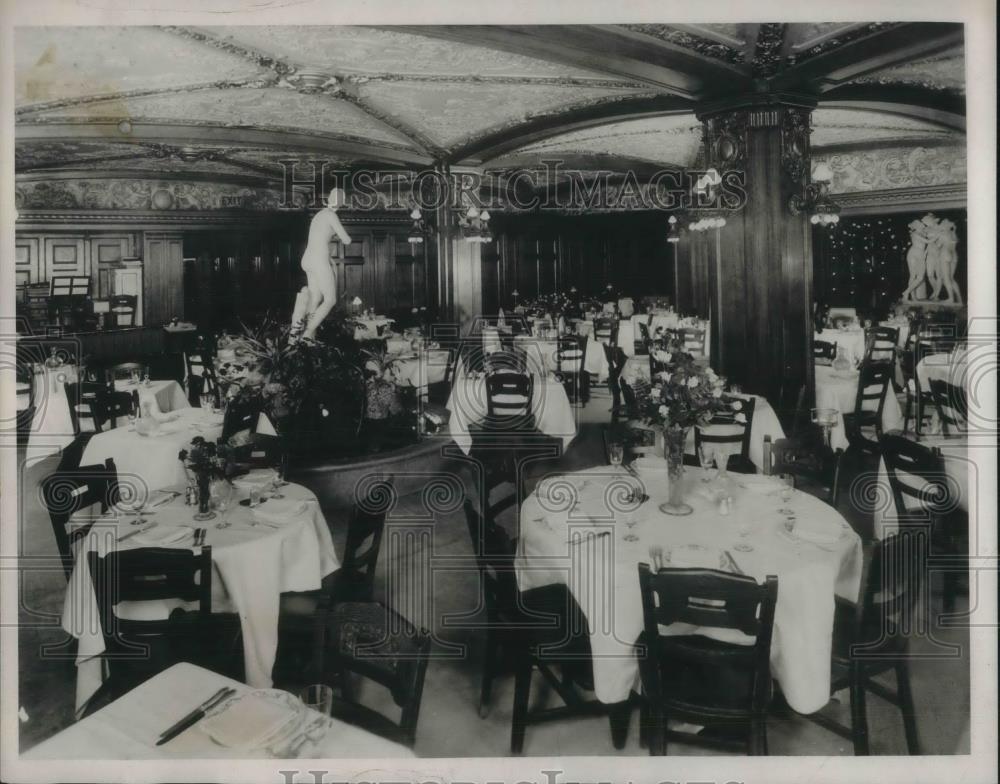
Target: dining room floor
[450, 725]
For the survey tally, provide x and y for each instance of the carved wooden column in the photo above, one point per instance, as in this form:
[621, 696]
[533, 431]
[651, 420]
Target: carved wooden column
[459, 272]
[760, 262]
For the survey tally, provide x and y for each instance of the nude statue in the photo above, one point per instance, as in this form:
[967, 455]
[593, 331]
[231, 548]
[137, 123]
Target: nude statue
[947, 240]
[933, 255]
[320, 275]
[916, 260]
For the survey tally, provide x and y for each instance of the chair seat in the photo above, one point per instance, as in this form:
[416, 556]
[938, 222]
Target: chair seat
[705, 677]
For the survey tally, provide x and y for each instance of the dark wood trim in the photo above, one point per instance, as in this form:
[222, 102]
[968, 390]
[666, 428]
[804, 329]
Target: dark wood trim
[930, 197]
[937, 107]
[493, 145]
[881, 49]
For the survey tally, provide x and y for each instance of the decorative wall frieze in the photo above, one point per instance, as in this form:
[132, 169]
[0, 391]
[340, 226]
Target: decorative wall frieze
[929, 197]
[895, 168]
[136, 194]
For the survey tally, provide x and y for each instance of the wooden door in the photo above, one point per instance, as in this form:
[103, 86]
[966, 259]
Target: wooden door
[27, 260]
[163, 278]
[107, 252]
[64, 255]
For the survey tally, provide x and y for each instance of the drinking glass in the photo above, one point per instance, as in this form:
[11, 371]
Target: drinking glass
[207, 400]
[707, 459]
[224, 504]
[131, 420]
[616, 454]
[254, 497]
[278, 481]
[319, 697]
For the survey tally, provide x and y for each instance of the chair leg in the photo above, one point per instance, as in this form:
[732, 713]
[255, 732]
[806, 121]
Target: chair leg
[906, 707]
[619, 715]
[644, 725]
[757, 746]
[859, 714]
[907, 413]
[489, 671]
[522, 689]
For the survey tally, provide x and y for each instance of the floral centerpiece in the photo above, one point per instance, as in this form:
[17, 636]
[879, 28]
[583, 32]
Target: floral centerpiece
[683, 394]
[551, 305]
[313, 391]
[208, 461]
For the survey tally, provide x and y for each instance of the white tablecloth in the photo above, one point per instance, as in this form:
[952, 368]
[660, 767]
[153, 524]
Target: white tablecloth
[52, 427]
[541, 355]
[626, 333]
[550, 407]
[601, 572]
[152, 460]
[838, 390]
[850, 342]
[428, 367]
[957, 461]
[129, 727]
[253, 564]
[367, 328]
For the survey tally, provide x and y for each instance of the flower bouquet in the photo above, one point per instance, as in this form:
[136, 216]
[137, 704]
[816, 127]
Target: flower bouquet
[208, 461]
[683, 394]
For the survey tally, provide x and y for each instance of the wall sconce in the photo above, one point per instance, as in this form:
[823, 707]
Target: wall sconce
[419, 229]
[475, 225]
[816, 200]
[707, 223]
[672, 234]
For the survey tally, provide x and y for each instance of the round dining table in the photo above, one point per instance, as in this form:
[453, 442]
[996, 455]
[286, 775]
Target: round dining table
[282, 545]
[590, 529]
[838, 389]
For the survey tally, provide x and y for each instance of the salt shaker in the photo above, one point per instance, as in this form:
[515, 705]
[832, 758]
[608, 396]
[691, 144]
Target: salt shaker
[725, 505]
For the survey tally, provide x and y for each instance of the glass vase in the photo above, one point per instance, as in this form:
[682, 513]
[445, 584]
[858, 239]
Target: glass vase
[674, 439]
[204, 498]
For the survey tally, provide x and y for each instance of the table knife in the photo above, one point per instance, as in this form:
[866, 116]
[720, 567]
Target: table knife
[130, 534]
[194, 716]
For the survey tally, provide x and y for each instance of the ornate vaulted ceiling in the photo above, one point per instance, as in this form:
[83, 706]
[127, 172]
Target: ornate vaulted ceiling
[231, 103]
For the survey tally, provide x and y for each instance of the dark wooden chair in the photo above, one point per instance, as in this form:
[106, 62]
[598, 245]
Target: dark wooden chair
[86, 412]
[928, 339]
[136, 650]
[509, 400]
[807, 464]
[507, 360]
[70, 490]
[874, 379]
[692, 341]
[724, 429]
[571, 353]
[301, 612]
[824, 352]
[606, 333]
[694, 678]
[952, 407]
[241, 417]
[372, 640]
[871, 636]
[925, 499]
[541, 629]
[880, 344]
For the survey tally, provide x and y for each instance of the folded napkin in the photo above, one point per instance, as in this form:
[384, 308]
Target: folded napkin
[248, 722]
[817, 532]
[255, 479]
[280, 510]
[163, 535]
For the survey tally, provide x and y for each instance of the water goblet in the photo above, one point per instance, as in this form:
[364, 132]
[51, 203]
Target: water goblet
[131, 420]
[707, 459]
[207, 400]
[224, 505]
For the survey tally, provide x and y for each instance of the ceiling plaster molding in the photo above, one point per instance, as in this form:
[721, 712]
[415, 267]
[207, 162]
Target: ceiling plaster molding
[931, 197]
[276, 65]
[363, 77]
[292, 140]
[836, 39]
[31, 110]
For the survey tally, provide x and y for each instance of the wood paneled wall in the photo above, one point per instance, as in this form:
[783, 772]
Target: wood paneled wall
[540, 254]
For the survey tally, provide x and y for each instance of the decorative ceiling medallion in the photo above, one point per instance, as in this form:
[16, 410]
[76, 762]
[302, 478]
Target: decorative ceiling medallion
[767, 53]
[795, 132]
[702, 46]
[725, 139]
